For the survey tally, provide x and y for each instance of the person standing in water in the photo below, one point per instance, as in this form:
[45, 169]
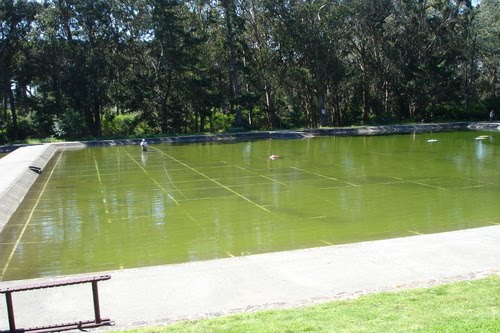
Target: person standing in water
[144, 145]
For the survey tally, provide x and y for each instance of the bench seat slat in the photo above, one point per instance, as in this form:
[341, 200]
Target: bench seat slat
[55, 284]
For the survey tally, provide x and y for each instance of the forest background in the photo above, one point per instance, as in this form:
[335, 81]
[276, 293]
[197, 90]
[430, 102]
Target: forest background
[110, 68]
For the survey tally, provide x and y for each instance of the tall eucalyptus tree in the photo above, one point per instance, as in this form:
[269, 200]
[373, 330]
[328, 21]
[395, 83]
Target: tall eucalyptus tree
[171, 53]
[231, 18]
[16, 21]
[487, 30]
[428, 54]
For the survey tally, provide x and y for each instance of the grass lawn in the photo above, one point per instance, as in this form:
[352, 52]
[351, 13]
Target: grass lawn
[468, 306]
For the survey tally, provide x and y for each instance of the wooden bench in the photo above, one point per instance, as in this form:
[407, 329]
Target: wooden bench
[98, 321]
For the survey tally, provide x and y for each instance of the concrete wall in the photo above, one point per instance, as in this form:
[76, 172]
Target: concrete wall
[16, 178]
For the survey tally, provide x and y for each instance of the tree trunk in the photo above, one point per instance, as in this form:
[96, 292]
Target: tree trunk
[494, 83]
[23, 97]
[202, 122]
[89, 121]
[65, 16]
[229, 11]
[57, 86]
[13, 112]
[97, 120]
[164, 116]
[366, 102]
[270, 111]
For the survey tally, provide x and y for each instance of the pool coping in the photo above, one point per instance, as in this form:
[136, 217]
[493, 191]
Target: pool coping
[282, 134]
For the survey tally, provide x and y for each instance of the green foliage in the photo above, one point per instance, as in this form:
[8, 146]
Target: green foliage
[25, 127]
[490, 103]
[444, 112]
[290, 116]
[126, 125]
[3, 135]
[69, 125]
[276, 64]
[220, 121]
[119, 125]
[143, 129]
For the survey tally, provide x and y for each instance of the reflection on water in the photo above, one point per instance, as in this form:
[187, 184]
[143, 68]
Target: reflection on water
[117, 207]
[144, 158]
[484, 146]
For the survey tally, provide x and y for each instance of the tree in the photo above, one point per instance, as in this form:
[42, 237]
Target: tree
[16, 19]
[487, 30]
[168, 58]
[230, 17]
[197, 65]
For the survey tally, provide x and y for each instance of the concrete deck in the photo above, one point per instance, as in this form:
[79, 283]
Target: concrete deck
[164, 294]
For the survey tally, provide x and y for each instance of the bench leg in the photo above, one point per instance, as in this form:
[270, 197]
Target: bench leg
[97, 311]
[10, 312]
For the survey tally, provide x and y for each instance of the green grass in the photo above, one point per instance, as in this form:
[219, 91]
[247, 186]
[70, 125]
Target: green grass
[469, 306]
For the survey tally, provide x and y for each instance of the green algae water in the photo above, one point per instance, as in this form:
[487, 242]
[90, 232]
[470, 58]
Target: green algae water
[107, 208]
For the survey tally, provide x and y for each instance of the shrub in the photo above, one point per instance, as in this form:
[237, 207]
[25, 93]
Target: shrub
[221, 121]
[143, 129]
[69, 125]
[119, 125]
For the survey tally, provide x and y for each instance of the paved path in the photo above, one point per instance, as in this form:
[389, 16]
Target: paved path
[163, 294]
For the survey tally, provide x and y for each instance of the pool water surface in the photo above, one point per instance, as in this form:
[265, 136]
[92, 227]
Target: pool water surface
[107, 208]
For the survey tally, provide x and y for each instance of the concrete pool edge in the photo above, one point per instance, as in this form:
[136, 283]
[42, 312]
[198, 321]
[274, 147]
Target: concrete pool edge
[284, 134]
[18, 172]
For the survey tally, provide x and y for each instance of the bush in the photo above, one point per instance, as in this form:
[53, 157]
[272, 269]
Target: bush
[119, 125]
[221, 121]
[70, 125]
[448, 112]
[26, 127]
[143, 129]
[3, 135]
[439, 112]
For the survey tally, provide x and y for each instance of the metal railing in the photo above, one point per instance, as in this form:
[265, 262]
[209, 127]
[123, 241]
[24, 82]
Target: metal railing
[98, 321]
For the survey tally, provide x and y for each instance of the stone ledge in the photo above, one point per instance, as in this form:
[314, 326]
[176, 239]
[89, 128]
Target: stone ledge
[285, 134]
[16, 177]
